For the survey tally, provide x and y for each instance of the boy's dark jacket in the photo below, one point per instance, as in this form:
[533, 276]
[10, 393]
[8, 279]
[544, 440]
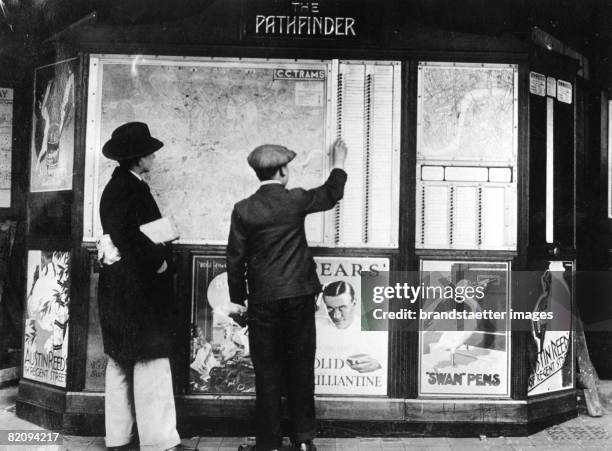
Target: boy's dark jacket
[267, 242]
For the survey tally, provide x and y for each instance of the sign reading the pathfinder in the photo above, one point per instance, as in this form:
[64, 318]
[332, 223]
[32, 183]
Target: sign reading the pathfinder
[299, 19]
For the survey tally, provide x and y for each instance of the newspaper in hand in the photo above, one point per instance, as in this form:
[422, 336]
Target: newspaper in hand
[161, 230]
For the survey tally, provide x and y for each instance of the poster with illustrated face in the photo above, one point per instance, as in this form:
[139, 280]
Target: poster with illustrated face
[348, 361]
[466, 353]
[220, 361]
[47, 317]
[550, 347]
[52, 154]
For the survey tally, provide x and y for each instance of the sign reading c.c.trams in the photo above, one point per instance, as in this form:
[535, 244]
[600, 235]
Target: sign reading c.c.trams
[300, 19]
[299, 74]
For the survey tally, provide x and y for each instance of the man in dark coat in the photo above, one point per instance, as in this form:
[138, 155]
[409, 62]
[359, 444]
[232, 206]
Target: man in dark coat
[267, 252]
[135, 300]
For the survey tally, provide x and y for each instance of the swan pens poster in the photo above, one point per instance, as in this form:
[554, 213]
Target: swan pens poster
[465, 357]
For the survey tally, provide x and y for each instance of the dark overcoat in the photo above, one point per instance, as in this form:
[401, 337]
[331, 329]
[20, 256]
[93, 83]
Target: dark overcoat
[135, 303]
[267, 252]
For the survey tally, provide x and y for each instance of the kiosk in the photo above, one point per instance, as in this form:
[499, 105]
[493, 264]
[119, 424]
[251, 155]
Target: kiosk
[461, 166]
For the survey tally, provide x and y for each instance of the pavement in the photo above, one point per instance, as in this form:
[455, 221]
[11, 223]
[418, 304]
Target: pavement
[581, 433]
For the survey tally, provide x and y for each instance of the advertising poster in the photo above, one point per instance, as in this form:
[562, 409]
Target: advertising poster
[95, 365]
[46, 323]
[550, 347]
[6, 145]
[219, 361]
[349, 361]
[52, 154]
[464, 356]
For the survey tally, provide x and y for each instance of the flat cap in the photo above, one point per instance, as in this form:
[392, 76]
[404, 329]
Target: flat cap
[270, 156]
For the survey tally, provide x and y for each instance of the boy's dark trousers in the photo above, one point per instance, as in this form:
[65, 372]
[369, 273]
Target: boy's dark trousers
[282, 339]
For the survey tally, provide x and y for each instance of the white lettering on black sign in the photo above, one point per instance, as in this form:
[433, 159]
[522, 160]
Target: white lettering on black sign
[305, 21]
[299, 74]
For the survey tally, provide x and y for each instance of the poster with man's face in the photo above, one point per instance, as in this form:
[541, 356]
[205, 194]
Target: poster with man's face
[47, 314]
[348, 361]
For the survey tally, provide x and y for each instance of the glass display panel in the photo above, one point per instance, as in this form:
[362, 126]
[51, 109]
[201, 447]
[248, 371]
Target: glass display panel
[467, 112]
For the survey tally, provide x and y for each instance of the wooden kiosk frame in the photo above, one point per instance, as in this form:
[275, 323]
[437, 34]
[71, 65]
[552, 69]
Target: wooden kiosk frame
[77, 409]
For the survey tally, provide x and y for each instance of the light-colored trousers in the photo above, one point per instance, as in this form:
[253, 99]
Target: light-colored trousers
[142, 393]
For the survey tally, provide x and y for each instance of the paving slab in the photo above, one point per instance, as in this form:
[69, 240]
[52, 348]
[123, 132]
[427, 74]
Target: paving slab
[581, 433]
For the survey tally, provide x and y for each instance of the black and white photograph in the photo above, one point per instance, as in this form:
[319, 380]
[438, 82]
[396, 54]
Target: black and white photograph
[318, 225]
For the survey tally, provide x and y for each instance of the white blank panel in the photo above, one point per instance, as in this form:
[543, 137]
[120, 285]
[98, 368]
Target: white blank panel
[466, 174]
[381, 157]
[493, 218]
[436, 217]
[465, 217]
[314, 227]
[550, 172]
[432, 173]
[503, 175]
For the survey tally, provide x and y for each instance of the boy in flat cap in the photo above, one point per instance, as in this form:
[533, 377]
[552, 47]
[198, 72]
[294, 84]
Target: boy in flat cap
[270, 265]
[135, 300]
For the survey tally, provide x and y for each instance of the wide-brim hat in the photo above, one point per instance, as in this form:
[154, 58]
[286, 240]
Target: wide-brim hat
[131, 140]
[270, 156]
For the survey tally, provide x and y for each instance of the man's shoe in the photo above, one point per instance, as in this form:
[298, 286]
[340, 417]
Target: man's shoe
[306, 446]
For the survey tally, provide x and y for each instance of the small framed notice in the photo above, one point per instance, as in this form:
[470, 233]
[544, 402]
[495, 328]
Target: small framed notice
[309, 94]
[564, 91]
[537, 84]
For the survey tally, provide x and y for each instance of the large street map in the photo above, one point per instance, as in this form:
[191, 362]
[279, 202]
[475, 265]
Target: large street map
[210, 117]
